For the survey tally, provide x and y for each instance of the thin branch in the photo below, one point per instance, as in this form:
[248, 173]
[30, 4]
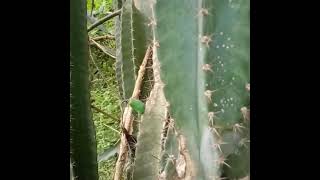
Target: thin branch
[106, 50]
[112, 129]
[94, 63]
[104, 113]
[103, 37]
[142, 69]
[128, 118]
[104, 19]
[92, 7]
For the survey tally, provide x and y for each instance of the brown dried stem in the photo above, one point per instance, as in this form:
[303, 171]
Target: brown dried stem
[128, 119]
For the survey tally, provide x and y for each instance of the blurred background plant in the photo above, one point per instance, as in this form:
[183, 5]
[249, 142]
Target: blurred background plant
[104, 91]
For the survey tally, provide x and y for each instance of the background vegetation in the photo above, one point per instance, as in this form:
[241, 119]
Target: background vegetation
[104, 90]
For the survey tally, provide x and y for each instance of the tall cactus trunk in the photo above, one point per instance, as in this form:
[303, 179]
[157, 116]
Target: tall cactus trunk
[196, 121]
[82, 145]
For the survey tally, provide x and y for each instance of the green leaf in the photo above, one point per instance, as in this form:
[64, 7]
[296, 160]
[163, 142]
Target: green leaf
[137, 105]
[108, 153]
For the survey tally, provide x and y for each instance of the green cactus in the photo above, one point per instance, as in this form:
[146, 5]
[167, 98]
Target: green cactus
[131, 46]
[83, 144]
[117, 5]
[149, 147]
[201, 70]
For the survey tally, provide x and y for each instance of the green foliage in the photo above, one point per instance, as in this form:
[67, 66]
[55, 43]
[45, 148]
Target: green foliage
[101, 9]
[104, 92]
[137, 105]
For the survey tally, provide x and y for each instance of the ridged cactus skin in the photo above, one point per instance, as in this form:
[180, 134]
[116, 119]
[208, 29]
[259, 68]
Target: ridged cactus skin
[204, 58]
[201, 59]
[82, 134]
[117, 4]
[131, 46]
[148, 146]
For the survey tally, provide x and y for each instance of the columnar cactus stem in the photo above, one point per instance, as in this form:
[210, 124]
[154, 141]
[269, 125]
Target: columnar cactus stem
[83, 144]
[201, 59]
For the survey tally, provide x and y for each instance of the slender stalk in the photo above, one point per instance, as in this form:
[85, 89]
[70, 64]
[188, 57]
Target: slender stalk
[103, 37]
[104, 113]
[94, 63]
[92, 7]
[104, 19]
[104, 49]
